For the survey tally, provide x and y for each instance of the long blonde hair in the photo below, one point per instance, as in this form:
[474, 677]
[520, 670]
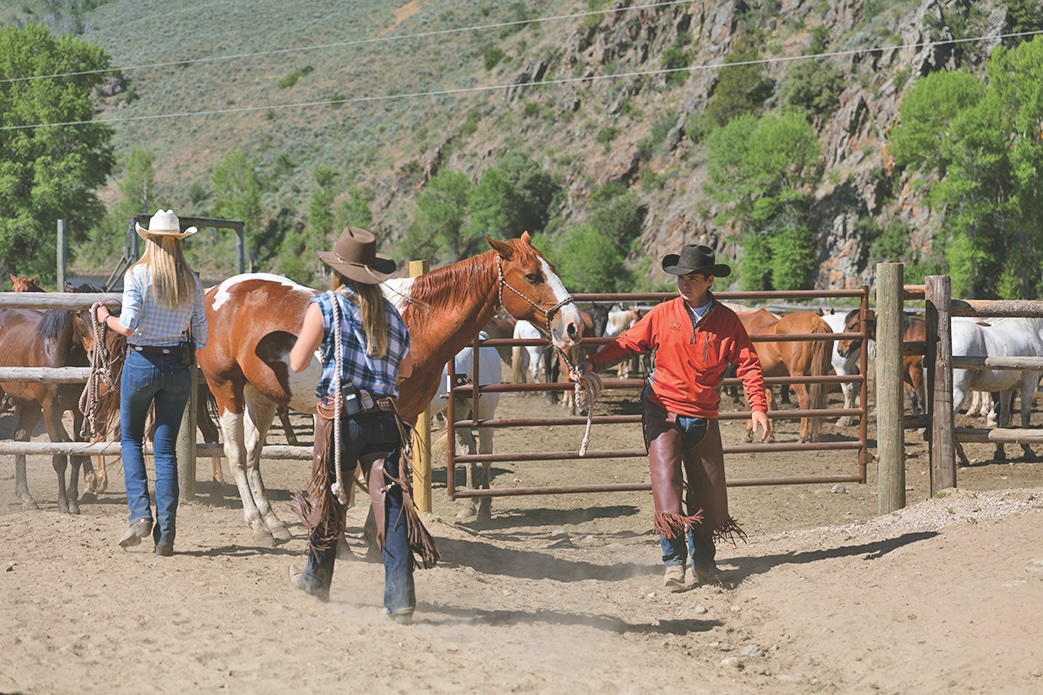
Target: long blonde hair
[370, 301]
[173, 280]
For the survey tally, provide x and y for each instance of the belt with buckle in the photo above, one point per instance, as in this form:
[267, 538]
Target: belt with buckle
[154, 349]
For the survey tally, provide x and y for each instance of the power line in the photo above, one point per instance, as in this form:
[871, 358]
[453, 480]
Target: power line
[517, 85]
[342, 44]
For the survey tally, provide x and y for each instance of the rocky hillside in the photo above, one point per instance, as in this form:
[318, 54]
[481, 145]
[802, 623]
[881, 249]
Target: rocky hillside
[580, 85]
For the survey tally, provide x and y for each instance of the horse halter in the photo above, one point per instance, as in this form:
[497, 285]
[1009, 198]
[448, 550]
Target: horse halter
[549, 313]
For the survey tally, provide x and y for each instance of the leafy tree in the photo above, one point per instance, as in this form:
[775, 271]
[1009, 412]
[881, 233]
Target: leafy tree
[512, 197]
[237, 196]
[617, 213]
[813, 86]
[441, 213]
[762, 169]
[742, 88]
[109, 240]
[296, 257]
[48, 172]
[587, 261]
[983, 140]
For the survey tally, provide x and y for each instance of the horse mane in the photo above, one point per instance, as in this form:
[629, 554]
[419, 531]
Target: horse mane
[56, 321]
[447, 286]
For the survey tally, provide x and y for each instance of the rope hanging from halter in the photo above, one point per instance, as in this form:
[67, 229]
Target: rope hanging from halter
[338, 488]
[101, 372]
[586, 392]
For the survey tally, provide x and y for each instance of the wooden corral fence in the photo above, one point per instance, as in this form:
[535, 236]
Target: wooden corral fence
[187, 447]
[473, 390]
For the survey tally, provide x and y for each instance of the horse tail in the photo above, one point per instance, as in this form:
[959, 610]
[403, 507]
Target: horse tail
[519, 364]
[821, 362]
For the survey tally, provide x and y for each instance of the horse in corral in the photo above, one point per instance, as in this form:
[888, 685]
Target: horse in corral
[793, 358]
[501, 327]
[913, 377]
[44, 339]
[595, 322]
[1007, 337]
[843, 365]
[526, 360]
[619, 322]
[24, 284]
[490, 368]
[254, 321]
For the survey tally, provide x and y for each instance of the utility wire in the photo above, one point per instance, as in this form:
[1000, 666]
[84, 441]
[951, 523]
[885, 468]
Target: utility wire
[341, 44]
[518, 85]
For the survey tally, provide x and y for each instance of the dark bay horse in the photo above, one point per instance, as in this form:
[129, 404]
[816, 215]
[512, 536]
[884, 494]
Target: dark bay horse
[42, 339]
[793, 358]
[254, 321]
[913, 377]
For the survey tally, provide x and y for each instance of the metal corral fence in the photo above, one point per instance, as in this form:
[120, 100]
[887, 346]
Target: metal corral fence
[473, 391]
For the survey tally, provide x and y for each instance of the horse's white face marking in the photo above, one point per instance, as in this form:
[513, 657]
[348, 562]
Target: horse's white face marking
[224, 290]
[397, 291]
[567, 315]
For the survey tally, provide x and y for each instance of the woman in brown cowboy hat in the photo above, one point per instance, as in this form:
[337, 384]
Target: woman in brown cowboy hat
[364, 348]
[696, 337]
[162, 308]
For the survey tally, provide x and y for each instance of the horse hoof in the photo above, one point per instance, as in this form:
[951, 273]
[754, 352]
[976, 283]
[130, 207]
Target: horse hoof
[88, 496]
[281, 534]
[467, 513]
[264, 538]
[29, 504]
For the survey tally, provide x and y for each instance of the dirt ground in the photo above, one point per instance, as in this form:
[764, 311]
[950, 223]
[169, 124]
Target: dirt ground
[556, 594]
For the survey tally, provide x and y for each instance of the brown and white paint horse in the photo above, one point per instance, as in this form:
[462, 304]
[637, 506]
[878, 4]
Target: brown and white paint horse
[254, 321]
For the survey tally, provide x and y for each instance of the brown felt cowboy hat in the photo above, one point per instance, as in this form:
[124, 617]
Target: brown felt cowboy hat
[355, 257]
[695, 258]
[164, 223]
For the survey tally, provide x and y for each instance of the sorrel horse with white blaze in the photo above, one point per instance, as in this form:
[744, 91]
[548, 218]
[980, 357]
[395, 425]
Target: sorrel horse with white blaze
[913, 330]
[254, 321]
[793, 358]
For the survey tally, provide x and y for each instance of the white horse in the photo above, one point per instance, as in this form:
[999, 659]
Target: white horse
[526, 359]
[843, 366]
[490, 368]
[1008, 337]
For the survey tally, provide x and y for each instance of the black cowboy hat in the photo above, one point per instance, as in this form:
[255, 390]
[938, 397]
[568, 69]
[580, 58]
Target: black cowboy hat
[355, 256]
[695, 258]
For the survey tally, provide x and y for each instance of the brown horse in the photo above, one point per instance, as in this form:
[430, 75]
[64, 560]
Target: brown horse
[254, 321]
[43, 339]
[24, 284]
[793, 358]
[913, 330]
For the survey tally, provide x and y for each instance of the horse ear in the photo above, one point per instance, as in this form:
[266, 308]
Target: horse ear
[526, 238]
[13, 277]
[502, 248]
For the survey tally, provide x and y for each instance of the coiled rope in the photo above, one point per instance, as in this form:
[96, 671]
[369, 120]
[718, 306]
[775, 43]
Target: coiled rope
[338, 488]
[586, 392]
[101, 373]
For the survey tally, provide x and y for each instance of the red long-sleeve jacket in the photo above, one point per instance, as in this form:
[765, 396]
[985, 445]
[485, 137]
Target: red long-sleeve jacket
[691, 359]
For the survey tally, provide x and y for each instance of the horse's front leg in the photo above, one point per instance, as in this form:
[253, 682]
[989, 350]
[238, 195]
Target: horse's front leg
[26, 419]
[56, 433]
[1029, 381]
[259, 417]
[485, 446]
[807, 430]
[465, 444]
[235, 451]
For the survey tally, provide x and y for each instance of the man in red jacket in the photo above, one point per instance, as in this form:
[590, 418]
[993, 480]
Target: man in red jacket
[697, 338]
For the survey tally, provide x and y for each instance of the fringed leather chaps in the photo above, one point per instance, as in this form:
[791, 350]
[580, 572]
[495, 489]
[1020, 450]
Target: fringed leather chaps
[671, 463]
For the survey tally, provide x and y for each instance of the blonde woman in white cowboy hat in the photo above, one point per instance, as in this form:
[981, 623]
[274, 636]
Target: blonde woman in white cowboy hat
[162, 307]
[363, 344]
[696, 337]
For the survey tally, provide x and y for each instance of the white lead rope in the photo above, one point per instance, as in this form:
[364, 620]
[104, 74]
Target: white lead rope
[338, 488]
[587, 391]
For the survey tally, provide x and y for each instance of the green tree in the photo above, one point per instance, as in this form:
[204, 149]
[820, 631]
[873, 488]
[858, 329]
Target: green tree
[512, 197]
[296, 258]
[441, 212]
[763, 171]
[48, 172]
[742, 87]
[588, 261]
[814, 86]
[983, 142]
[109, 240]
[237, 196]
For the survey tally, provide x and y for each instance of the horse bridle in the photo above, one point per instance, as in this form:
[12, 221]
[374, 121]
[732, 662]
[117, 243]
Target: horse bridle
[549, 313]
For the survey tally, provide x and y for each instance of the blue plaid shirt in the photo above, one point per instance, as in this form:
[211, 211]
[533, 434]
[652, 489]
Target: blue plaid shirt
[153, 323]
[367, 372]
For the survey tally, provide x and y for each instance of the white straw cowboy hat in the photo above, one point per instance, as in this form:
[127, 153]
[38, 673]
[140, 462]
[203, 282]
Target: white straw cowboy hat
[695, 258]
[355, 257]
[164, 223]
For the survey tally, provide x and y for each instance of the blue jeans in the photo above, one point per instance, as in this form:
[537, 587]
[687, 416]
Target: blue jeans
[676, 551]
[367, 436]
[159, 380]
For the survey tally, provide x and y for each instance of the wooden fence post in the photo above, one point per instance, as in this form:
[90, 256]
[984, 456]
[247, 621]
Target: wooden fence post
[422, 436]
[186, 442]
[62, 245]
[942, 449]
[890, 434]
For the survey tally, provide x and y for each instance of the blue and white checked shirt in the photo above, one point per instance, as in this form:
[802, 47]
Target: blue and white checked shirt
[367, 372]
[153, 323]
